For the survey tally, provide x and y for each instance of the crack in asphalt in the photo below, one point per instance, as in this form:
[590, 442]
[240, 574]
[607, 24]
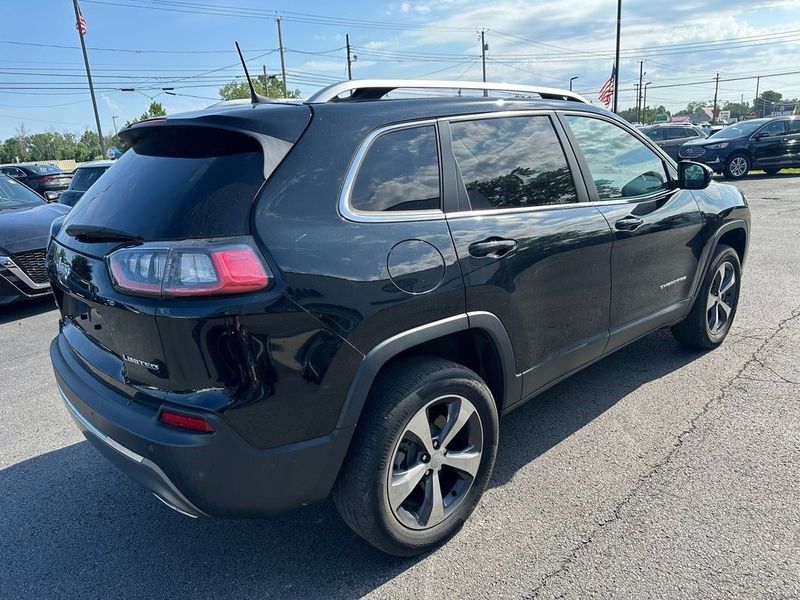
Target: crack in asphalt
[616, 513]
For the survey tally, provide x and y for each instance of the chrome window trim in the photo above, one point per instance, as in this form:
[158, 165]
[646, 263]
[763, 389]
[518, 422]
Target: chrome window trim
[493, 212]
[7, 263]
[360, 216]
[526, 112]
[523, 209]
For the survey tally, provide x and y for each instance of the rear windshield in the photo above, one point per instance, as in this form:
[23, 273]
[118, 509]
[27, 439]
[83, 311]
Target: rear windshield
[85, 177]
[43, 169]
[177, 183]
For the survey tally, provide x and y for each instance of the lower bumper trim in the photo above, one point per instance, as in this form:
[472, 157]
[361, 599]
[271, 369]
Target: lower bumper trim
[136, 466]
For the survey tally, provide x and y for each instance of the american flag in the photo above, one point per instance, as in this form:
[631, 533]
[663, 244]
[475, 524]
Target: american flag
[607, 91]
[80, 24]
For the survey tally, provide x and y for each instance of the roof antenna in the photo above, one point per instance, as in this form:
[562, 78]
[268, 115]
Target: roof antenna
[254, 98]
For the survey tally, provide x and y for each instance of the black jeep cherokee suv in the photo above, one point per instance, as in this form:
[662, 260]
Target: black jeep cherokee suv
[265, 304]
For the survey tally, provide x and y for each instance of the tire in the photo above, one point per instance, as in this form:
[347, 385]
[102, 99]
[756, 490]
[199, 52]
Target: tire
[771, 172]
[708, 323]
[431, 392]
[737, 166]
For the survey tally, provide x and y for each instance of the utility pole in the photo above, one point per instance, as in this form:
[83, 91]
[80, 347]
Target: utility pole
[89, 77]
[714, 110]
[266, 80]
[114, 120]
[483, 57]
[639, 95]
[283, 64]
[616, 56]
[349, 61]
[636, 91]
[644, 102]
[755, 102]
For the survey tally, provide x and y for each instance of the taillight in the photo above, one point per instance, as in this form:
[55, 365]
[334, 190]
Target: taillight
[46, 179]
[189, 268]
[184, 421]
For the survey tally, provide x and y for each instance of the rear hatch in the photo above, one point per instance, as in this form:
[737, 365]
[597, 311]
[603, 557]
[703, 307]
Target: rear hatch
[186, 182]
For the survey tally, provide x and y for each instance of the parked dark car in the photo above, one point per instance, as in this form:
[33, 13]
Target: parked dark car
[766, 144]
[82, 179]
[40, 178]
[671, 136]
[25, 220]
[342, 295]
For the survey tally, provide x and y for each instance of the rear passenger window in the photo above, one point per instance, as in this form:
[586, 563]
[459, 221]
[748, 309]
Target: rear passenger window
[620, 164]
[656, 134]
[512, 162]
[794, 126]
[399, 172]
[676, 133]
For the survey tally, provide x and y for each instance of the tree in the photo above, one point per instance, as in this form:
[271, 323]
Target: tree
[156, 109]
[269, 86]
[765, 100]
[738, 109]
[88, 147]
[14, 149]
[692, 107]
[648, 114]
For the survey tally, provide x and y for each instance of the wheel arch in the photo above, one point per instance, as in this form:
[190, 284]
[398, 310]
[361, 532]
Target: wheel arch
[478, 340]
[733, 233]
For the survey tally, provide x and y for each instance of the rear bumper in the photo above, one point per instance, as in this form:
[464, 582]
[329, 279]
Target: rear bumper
[217, 474]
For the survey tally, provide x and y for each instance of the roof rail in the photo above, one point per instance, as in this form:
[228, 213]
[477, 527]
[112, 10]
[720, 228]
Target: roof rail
[374, 89]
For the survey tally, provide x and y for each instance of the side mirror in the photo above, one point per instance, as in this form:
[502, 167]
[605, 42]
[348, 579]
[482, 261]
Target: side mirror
[762, 134]
[693, 176]
[51, 196]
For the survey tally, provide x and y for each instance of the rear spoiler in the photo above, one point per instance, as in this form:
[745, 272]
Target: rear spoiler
[276, 127]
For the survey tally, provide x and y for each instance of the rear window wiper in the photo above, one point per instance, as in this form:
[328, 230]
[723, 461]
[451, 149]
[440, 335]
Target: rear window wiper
[94, 233]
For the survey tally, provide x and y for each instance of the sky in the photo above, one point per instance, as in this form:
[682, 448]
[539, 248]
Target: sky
[188, 45]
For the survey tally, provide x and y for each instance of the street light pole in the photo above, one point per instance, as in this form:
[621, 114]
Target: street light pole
[571, 79]
[644, 101]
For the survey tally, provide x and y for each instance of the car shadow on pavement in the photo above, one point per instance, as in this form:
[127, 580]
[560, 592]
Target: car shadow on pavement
[27, 308]
[72, 526]
[553, 416]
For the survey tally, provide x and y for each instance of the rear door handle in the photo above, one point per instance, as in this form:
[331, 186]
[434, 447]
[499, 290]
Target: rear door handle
[628, 223]
[492, 247]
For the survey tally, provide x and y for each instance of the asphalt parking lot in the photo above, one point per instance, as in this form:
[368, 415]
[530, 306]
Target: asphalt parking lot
[656, 473]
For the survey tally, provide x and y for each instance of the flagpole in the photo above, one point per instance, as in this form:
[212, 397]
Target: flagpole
[89, 77]
[616, 55]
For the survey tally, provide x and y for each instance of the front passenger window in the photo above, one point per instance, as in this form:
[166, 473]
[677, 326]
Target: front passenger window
[621, 165]
[772, 129]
